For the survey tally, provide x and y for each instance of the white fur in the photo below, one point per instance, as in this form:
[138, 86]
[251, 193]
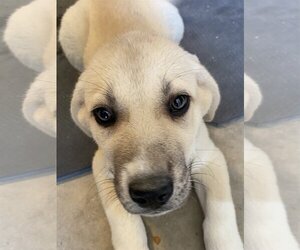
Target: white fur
[31, 36]
[73, 33]
[28, 32]
[39, 105]
[252, 97]
[265, 219]
[213, 189]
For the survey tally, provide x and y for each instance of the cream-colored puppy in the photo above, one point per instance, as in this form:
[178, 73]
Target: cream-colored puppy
[143, 99]
[265, 218]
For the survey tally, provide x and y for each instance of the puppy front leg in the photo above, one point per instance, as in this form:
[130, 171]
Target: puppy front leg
[127, 230]
[265, 217]
[212, 186]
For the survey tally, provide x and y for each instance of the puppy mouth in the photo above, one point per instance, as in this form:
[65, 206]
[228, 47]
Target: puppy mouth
[153, 193]
[176, 201]
[163, 211]
[152, 212]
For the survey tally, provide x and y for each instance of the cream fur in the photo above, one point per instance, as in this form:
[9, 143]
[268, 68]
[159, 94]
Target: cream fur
[31, 36]
[108, 52]
[265, 219]
[79, 34]
[252, 97]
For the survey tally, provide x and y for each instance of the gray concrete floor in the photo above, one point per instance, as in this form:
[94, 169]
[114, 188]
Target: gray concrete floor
[28, 214]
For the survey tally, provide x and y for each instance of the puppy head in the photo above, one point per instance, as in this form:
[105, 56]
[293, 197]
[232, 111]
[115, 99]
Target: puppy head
[143, 100]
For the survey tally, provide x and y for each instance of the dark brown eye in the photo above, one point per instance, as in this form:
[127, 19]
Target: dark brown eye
[179, 105]
[104, 116]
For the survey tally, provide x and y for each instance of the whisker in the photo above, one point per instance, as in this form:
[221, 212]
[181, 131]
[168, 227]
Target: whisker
[196, 188]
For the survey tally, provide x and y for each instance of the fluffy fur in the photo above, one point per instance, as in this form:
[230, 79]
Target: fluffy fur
[129, 54]
[265, 219]
[31, 36]
[79, 28]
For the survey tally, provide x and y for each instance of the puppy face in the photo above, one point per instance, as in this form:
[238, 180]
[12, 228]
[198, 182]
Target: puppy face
[142, 99]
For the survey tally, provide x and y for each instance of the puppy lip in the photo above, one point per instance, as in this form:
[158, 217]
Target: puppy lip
[158, 212]
[152, 213]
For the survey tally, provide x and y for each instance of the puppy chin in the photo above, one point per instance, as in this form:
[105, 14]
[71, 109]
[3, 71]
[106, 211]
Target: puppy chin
[148, 212]
[159, 212]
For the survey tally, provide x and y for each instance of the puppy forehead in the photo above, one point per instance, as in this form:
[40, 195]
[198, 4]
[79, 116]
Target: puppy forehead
[124, 92]
[139, 79]
[150, 92]
[148, 80]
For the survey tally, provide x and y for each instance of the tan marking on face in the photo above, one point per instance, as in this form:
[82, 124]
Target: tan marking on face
[125, 149]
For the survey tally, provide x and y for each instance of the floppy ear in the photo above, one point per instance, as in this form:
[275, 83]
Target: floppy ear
[79, 111]
[252, 97]
[210, 95]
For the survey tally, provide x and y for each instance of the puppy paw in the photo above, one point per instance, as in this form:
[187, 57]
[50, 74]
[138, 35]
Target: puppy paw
[221, 236]
[131, 248]
[130, 244]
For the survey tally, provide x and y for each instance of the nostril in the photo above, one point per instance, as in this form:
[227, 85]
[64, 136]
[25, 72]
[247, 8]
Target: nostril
[165, 193]
[163, 198]
[137, 196]
[151, 192]
[140, 201]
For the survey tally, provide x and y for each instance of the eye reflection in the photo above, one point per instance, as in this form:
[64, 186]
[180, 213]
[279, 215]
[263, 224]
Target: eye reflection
[104, 116]
[179, 104]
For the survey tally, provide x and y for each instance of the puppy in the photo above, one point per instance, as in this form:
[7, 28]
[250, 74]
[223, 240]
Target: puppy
[265, 217]
[144, 100]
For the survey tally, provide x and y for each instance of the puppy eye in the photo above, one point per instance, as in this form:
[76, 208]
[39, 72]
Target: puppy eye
[179, 105]
[104, 116]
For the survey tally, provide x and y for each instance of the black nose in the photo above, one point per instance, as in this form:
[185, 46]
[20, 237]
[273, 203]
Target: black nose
[151, 192]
